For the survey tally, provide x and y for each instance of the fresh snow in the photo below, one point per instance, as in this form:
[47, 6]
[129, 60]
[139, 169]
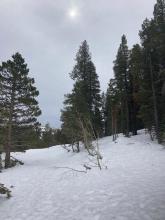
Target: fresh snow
[131, 188]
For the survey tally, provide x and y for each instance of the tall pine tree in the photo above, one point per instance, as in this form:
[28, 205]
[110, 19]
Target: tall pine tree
[153, 42]
[122, 80]
[84, 103]
[18, 105]
[135, 82]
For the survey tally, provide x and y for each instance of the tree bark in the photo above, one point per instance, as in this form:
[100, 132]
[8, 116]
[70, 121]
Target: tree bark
[8, 148]
[156, 119]
[9, 130]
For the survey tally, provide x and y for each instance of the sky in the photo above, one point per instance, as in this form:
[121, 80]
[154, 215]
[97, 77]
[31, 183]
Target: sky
[48, 34]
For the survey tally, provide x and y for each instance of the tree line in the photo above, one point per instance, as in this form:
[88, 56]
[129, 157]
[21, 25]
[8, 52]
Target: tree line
[135, 97]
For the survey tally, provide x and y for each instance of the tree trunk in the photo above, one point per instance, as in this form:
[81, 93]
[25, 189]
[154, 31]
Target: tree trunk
[134, 131]
[156, 119]
[9, 130]
[127, 118]
[8, 147]
[78, 147]
[116, 127]
[127, 109]
[7, 156]
[1, 161]
[134, 119]
[122, 117]
[114, 122]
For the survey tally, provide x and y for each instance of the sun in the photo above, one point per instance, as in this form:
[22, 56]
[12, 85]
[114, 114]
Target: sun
[73, 13]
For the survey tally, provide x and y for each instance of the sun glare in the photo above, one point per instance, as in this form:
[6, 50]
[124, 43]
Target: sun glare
[73, 13]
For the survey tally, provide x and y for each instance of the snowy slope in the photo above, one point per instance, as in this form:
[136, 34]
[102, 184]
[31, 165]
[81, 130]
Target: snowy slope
[132, 188]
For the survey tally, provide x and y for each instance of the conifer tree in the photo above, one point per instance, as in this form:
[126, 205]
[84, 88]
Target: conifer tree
[153, 42]
[84, 103]
[18, 105]
[135, 82]
[103, 112]
[122, 80]
[112, 109]
[140, 79]
[159, 20]
[71, 126]
[107, 114]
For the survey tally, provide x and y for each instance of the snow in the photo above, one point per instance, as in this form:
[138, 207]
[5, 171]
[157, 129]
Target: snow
[131, 188]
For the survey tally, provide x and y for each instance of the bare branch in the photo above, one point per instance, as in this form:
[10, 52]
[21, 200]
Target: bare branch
[69, 168]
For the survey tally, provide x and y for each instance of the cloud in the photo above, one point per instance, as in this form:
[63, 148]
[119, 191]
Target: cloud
[48, 40]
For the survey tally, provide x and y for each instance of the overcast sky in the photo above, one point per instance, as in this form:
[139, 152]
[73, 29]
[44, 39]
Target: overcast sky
[48, 37]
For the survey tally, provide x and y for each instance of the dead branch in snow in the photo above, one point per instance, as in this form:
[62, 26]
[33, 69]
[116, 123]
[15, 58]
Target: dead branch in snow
[15, 161]
[69, 168]
[66, 147]
[87, 167]
[5, 190]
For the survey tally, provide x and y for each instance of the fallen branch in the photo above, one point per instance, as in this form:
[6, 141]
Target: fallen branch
[95, 163]
[87, 167]
[69, 168]
[5, 190]
[17, 161]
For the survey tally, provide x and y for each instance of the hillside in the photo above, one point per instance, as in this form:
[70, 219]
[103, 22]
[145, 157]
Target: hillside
[131, 188]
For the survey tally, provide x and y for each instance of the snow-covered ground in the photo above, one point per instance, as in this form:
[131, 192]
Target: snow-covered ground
[132, 188]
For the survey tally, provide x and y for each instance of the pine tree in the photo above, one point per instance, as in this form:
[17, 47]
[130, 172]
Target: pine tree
[122, 80]
[48, 136]
[70, 118]
[84, 103]
[159, 20]
[103, 112]
[153, 42]
[18, 105]
[108, 114]
[140, 81]
[146, 93]
[135, 82]
[112, 109]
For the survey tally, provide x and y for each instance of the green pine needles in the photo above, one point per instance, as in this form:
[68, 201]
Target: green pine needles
[18, 105]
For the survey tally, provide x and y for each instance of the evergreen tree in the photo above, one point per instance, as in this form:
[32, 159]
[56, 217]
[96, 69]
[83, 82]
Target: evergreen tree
[115, 107]
[146, 93]
[84, 103]
[87, 87]
[70, 118]
[122, 80]
[18, 105]
[122, 103]
[103, 112]
[135, 82]
[47, 136]
[140, 79]
[153, 42]
[159, 20]
[108, 114]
